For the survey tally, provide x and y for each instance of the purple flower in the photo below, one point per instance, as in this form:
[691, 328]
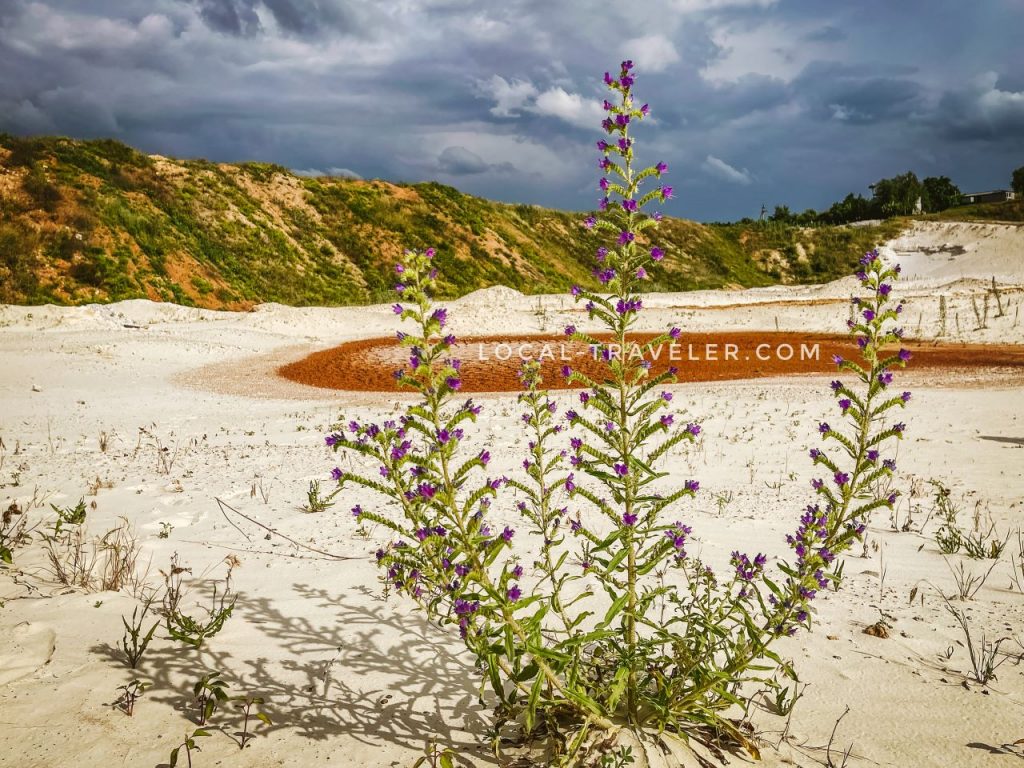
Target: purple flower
[397, 309]
[641, 274]
[905, 397]
[837, 359]
[824, 428]
[845, 404]
[692, 485]
[485, 457]
[570, 486]
[629, 205]
[660, 168]
[666, 420]
[666, 396]
[841, 478]
[869, 315]
[514, 593]
[441, 315]
[904, 355]
[357, 511]
[621, 120]
[657, 254]
[399, 269]
[517, 572]
[666, 193]
[575, 290]
[589, 222]
[629, 519]
[430, 253]
[453, 382]
[621, 470]
[626, 237]
[693, 429]
[508, 533]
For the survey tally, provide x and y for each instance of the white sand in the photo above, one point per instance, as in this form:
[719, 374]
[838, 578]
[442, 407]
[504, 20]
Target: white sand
[353, 680]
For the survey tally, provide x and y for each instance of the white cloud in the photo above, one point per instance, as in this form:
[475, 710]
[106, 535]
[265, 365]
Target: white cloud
[771, 49]
[652, 53]
[509, 97]
[717, 167]
[570, 107]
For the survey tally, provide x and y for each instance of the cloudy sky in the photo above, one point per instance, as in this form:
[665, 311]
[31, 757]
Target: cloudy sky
[755, 101]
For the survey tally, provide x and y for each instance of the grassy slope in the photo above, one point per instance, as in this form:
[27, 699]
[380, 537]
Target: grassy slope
[84, 221]
[1011, 211]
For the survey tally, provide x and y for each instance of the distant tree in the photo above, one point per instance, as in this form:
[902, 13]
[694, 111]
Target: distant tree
[807, 218]
[939, 193]
[1017, 184]
[782, 213]
[898, 195]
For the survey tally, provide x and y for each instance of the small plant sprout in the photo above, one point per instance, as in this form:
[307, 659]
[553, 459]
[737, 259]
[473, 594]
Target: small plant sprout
[130, 693]
[13, 524]
[435, 756]
[948, 537]
[189, 745]
[984, 654]
[68, 516]
[210, 692]
[594, 639]
[193, 630]
[252, 709]
[134, 642]
[315, 502]
[165, 531]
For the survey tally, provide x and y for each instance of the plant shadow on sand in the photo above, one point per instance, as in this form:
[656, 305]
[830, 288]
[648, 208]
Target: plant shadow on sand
[362, 671]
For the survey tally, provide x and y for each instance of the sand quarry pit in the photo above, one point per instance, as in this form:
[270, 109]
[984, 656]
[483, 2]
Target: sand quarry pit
[491, 363]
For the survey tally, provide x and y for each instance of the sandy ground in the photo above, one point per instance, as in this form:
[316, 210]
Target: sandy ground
[190, 410]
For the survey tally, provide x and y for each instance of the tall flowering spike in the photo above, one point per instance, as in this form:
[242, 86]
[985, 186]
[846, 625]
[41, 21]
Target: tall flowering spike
[864, 399]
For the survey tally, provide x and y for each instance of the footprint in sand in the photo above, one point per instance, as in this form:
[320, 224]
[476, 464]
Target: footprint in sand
[26, 649]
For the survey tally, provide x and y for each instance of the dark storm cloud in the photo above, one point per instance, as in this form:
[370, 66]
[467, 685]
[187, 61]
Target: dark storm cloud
[832, 93]
[235, 17]
[755, 101]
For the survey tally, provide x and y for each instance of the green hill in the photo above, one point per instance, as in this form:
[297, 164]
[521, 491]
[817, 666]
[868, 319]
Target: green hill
[97, 221]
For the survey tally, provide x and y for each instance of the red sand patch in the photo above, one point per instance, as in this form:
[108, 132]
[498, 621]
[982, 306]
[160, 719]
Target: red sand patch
[491, 363]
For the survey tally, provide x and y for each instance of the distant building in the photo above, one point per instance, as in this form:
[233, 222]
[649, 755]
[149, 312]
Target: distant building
[997, 196]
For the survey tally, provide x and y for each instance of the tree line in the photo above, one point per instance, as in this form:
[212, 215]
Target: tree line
[896, 196]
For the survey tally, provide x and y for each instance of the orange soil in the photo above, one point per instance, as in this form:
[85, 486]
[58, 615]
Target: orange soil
[491, 363]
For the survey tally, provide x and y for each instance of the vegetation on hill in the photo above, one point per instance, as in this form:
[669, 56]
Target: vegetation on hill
[97, 221]
[1011, 211]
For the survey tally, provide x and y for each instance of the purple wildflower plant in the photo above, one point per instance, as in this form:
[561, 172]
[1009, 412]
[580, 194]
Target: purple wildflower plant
[601, 499]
